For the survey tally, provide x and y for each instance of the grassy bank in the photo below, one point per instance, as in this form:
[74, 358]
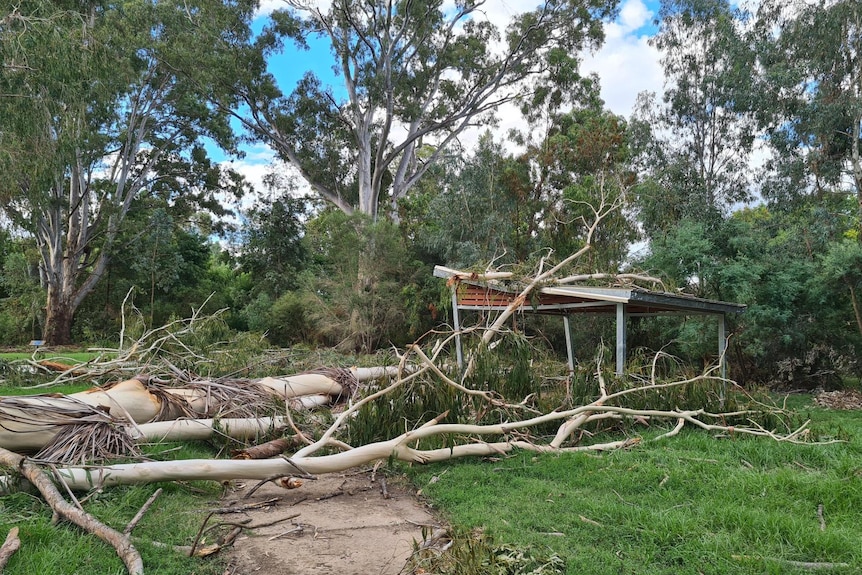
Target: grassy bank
[690, 504]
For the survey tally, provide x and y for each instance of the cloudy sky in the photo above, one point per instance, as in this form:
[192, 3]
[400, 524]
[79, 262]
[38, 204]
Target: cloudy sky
[626, 64]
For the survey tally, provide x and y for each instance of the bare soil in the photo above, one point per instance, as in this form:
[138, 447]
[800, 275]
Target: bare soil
[344, 526]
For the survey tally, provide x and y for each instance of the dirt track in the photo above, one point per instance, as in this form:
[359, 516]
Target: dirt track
[345, 526]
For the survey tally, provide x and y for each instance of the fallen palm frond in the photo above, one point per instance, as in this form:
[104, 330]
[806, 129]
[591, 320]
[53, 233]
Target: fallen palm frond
[30, 423]
[84, 443]
[465, 440]
[396, 448]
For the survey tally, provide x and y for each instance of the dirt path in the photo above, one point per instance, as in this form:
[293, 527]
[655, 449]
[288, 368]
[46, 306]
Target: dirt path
[344, 526]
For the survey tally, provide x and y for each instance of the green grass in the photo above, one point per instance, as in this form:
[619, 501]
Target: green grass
[64, 549]
[691, 504]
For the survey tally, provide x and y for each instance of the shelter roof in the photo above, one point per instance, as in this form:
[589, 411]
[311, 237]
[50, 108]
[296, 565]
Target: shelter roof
[497, 291]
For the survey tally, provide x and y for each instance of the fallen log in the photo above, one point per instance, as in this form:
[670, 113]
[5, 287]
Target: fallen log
[85, 478]
[268, 449]
[29, 423]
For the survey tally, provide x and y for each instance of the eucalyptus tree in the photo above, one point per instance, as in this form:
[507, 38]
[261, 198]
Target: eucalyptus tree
[696, 143]
[585, 161]
[810, 97]
[471, 216]
[272, 250]
[414, 73]
[95, 116]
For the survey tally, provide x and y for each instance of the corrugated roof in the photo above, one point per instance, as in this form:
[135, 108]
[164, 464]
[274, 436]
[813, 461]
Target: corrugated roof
[495, 294]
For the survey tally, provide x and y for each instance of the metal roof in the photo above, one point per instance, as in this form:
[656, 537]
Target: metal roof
[497, 294]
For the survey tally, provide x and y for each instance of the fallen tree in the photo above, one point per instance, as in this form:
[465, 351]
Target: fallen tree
[31, 423]
[516, 419]
[512, 434]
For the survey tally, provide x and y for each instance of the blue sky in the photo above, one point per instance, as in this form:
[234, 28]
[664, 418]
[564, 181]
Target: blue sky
[626, 64]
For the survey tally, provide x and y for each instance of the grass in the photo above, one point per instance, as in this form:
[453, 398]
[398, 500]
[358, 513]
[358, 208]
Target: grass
[691, 504]
[67, 356]
[64, 549]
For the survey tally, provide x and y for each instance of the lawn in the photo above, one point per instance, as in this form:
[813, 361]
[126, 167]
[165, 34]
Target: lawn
[71, 357]
[690, 504]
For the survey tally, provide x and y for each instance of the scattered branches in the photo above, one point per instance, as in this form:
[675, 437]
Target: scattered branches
[39, 479]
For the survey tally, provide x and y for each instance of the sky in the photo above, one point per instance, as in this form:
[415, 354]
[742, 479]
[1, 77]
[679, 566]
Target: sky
[626, 65]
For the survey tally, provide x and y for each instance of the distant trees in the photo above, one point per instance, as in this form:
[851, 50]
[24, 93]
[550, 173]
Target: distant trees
[108, 111]
[810, 98]
[95, 115]
[788, 74]
[694, 146]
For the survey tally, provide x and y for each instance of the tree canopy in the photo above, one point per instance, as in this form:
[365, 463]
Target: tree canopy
[96, 116]
[415, 73]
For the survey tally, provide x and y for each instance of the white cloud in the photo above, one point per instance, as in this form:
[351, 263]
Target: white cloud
[634, 14]
[626, 63]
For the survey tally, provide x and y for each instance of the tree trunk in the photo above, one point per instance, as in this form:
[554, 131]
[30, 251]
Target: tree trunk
[58, 318]
[29, 423]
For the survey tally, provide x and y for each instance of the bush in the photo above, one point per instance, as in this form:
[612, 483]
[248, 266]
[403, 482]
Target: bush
[288, 321]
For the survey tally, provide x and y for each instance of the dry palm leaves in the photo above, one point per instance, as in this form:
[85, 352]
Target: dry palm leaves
[89, 442]
[65, 429]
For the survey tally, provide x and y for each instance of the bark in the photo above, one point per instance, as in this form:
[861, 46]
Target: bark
[58, 319]
[396, 448]
[202, 429]
[29, 423]
[268, 449]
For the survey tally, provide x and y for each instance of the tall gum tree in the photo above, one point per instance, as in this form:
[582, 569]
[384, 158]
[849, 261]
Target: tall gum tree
[810, 96]
[810, 103]
[695, 145]
[94, 116]
[414, 73]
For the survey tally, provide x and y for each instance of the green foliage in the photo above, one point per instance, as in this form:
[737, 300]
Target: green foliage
[694, 147]
[21, 315]
[796, 272]
[272, 250]
[474, 553]
[367, 290]
[98, 118]
[429, 70]
[807, 100]
[492, 206]
[478, 214]
[288, 320]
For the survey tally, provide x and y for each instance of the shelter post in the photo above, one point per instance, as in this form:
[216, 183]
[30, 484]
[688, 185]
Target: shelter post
[621, 338]
[570, 355]
[722, 353]
[459, 354]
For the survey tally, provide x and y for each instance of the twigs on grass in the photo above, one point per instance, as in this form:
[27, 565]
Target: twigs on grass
[130, 556]
[140, 514]
[9, 547]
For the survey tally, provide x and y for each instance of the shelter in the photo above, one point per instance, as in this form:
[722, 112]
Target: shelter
[484, 293]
